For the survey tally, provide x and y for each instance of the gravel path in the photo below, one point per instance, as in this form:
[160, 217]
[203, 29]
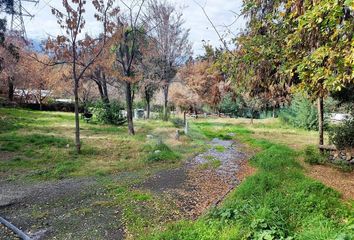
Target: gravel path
[203, 180]
[11, 194]
[59, 210]
[229, 156]
[6, 234]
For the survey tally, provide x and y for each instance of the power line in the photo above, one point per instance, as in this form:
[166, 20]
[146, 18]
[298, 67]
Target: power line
[45, 5]
[17, 11]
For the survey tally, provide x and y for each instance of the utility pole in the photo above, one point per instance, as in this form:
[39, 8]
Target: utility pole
[17, 11]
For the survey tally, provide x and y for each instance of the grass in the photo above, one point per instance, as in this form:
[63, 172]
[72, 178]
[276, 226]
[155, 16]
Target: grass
[220, 148]
[142, 211]
[212, 163]
[39, 146]
[161, 152]
[278, 202]
[313, 156]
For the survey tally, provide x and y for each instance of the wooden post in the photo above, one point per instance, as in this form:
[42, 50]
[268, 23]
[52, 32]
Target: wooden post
[177, 135]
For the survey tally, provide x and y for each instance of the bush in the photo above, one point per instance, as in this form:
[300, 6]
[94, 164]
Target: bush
[53, 106]
[177, 122]
[161, 152]
[228, 105]
[301, 113]
[111, 114]
[139, 104]
[313, 155]
[343, 165]
[343, 135]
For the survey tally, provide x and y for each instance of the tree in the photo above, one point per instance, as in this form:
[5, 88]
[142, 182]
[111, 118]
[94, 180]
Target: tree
[128, 39]
[101, 70]
[8, 50]
[70, 49]
[184, 98]
[202, 78]
[12, 52]
[320, 47]
[165, 26]
[40, 80]
[150, 69]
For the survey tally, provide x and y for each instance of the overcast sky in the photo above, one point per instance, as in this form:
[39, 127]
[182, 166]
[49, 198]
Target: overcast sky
[222, 12]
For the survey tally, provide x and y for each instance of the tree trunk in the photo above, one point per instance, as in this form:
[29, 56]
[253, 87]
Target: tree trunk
[100, 90]
[10, 88]
[147, 107]
[165, 106]
[251, 115]
[320, 120]
[40, 100]
[77, 117]
[105, 89]
[76, 95]
[196, 112]
[129, 103]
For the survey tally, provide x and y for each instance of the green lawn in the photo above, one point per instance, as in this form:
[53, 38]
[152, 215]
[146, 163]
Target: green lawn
[40, 146]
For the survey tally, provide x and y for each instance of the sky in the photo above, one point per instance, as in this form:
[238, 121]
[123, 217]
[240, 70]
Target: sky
[222, 12]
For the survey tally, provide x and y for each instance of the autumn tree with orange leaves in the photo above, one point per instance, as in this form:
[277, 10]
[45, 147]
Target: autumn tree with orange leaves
[204, 80]
[72, 48]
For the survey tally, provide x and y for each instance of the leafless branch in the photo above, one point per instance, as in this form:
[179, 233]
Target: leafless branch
[214, 27]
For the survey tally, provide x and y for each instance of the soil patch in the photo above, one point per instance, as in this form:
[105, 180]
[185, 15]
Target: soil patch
[343, 182]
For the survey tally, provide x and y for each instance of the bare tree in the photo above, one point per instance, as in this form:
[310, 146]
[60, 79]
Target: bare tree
[173, 47]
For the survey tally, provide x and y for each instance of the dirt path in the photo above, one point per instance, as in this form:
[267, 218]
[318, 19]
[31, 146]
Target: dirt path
[52, 210]
[203, 181]
[341, 181]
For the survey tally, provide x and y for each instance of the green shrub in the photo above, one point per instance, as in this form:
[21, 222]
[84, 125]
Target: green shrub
[343, 165]
[301, 113]
[343, 135]
[230, 106]
[177, 122]
[161, 152]
[108, 114]
[139, 104]
[313, 155]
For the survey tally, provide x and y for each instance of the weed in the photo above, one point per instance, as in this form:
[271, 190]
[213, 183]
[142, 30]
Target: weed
[313, 155]
[141, 196]
[220, 148]
[212, 162]
[161, 152]
[343, 165]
